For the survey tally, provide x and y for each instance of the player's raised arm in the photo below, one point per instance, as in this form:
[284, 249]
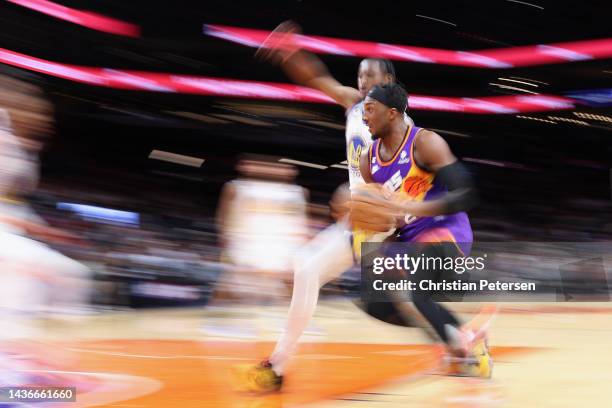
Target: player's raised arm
[304, 68]
[432, 152]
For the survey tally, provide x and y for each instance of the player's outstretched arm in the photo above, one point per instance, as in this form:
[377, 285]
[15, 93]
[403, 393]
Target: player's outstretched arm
[304, 68]
[432, 152]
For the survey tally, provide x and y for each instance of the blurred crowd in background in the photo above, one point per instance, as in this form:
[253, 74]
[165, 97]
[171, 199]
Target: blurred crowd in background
[158, 249]
[135, 176]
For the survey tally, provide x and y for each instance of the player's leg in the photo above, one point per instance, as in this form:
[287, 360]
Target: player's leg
[29, 268]
[19, 294]
[464, 347]
[438, 316]
[324, 258]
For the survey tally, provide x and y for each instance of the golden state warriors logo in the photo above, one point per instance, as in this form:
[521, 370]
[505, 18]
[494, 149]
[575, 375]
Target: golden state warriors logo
[355, 146]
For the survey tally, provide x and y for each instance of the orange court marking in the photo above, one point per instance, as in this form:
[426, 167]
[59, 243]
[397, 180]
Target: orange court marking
[198, 374]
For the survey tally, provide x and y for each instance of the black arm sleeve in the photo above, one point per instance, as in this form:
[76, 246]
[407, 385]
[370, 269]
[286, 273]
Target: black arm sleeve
[462, 194]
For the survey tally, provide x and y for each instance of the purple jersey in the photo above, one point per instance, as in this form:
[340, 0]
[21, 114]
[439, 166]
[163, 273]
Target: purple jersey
[402, 174]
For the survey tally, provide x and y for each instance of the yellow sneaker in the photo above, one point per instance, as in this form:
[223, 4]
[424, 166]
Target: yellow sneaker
[478, 363]
[259, 378]
[484, 363]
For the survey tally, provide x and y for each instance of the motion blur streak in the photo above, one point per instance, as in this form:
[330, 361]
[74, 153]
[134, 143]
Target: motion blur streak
[83, 18]
[493, 58]
[163, 82]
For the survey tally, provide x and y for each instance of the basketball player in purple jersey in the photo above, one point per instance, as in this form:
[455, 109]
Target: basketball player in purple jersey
[434, 192]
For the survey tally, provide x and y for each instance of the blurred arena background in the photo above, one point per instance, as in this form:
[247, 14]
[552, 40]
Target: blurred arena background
[135, 167]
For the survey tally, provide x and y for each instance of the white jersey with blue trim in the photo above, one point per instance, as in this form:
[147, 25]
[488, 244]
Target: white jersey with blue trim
[358, 139]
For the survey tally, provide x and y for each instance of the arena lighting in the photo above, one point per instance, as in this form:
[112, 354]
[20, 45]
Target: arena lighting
[83, 18]
[95, 213]
[497, 163]
[601, 118]
[436, 19]
[526, 4]
[340, 166]
[176, 158]
[530, 80]
[518, 82]
[492, 58]
[574, 121]
[536, 119]
[593, 97]
[514, 88]
[174, 83]
[482, 161]
[302, 163]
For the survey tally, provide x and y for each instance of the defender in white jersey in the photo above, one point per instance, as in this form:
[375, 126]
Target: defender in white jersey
[262, 222]
[330, 253]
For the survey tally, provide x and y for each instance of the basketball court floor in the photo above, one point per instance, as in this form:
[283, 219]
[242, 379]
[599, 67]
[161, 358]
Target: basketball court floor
[546, 355]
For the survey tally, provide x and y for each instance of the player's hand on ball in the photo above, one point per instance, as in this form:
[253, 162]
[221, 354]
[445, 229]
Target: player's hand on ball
[280, 45]
[372, 208]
